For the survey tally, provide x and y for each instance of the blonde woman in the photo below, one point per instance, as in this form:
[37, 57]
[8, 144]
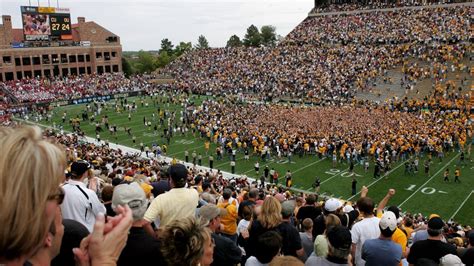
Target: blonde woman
[270, 219]
[32, 170]
[321, 242]
[187, 242]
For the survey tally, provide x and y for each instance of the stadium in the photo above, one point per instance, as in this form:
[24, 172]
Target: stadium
[345, 142]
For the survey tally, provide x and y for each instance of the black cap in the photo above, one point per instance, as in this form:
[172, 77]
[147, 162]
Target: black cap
[78, 168]
[178, 172]
[395, 211]
[340, 237]
[435, 223]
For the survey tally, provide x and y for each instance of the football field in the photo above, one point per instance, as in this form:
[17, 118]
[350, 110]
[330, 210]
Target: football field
[415, 192]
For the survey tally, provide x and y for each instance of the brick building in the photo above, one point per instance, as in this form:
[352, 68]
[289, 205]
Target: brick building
[93, 49]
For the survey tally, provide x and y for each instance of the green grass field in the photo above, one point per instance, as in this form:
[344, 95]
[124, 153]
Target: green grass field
[416, 193]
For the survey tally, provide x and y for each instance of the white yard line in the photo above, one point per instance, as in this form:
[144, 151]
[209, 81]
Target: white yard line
[420, 187]
[380, 178]
[342, 172]
[460, 206]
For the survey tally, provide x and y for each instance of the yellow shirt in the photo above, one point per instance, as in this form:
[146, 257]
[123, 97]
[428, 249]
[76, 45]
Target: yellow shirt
[229, 221]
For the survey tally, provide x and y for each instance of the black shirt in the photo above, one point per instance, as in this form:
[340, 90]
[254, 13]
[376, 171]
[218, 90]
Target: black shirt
[308, 211]
[430, 249]
[291, 238]
[141, 248]
[226, 252]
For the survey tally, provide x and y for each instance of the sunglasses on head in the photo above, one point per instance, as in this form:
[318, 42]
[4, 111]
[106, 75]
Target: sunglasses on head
[58, 196]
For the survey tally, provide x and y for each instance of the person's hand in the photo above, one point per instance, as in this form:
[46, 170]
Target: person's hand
[363, 191]
[391, 192]
[104, 245]
[245, 233]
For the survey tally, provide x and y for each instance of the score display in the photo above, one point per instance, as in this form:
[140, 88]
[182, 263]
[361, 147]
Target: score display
[40, 23]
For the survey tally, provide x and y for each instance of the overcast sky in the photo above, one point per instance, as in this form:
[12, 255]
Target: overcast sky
[142, 24]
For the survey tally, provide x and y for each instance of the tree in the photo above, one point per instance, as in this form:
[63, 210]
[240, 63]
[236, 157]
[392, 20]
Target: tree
[163, 59]
[234, 41]
[202, 43]
[252, 37]
[268, 35]
[146, 62]
[182, 48]
[167, 46]
[126, 67]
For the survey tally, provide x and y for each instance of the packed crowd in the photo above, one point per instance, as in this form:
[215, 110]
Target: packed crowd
[37, 90]
[113, 208]
[327, 59]
[344, 6]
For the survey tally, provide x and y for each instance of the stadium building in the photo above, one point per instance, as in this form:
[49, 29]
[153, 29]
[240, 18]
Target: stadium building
[49, 45]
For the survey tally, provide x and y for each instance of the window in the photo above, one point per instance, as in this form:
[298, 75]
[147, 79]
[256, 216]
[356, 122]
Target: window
[36, 61]
[19, 75]
[80, 58]
[65, 71]
[114, 54]
[63, 58]
[47, 73]
[7, 59]
[111, 39]
[28, 74]
[98, 55]
[72, 58]
[88, 58]
[107, 56]
[107, 69]
[45, 59]
[115, 68]
[82, 70]
[9, 76]
[17, 61]
[26, 61]
[100, 70]
[37, 73]
[55, 59]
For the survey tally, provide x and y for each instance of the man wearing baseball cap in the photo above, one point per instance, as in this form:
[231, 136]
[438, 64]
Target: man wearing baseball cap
[176, 204]
[333, 206]
[339, 248]
[80, 203]
[382, 250]
[432, 248]
[226, 251]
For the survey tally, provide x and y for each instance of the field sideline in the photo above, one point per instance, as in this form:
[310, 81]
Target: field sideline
[416, 193]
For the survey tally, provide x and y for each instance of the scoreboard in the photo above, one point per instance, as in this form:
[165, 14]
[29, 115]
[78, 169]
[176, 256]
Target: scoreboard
[46, 23]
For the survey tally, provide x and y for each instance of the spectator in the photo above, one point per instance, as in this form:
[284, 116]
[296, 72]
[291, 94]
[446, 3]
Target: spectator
[321, 242]
[382, 250]
[339, 248]
[188, 242]
[307, 236]
[74, 232]
[268, 247]
[27, 217]
[367, 228]
[432, 248]
[52, 243]
[39, 166]
[309, 210]
[467, 255]
[229, 221]
[80, 203]
[292, 246]
[253, 194]
[226, 251]
[107, 193]
[140, 246]
[176, 204]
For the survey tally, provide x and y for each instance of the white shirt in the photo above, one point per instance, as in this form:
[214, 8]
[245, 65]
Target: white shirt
[77, 207]
[368, 228]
